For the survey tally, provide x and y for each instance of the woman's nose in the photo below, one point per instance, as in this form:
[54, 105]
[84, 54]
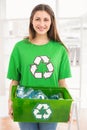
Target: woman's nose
[42, 23]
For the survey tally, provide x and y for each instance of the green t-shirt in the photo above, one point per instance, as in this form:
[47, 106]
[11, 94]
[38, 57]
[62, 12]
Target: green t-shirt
[38, 65]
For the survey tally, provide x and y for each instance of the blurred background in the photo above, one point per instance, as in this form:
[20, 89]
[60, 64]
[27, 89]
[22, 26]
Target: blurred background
[71, 18]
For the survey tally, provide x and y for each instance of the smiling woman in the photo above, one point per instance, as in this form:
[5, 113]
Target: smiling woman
[43, 45]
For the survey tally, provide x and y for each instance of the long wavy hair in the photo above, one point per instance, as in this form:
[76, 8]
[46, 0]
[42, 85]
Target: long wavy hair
[52, 33]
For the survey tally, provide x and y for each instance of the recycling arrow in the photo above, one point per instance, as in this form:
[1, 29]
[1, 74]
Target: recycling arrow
[34, 67]
[42, 111]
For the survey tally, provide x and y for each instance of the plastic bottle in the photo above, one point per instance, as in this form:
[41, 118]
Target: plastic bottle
[39, 95]
[23, 92]
[57, 96]
[20, 91]
[30, 93]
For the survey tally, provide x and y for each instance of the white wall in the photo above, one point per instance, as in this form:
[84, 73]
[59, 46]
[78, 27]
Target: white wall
[84, 62]
[24, 7]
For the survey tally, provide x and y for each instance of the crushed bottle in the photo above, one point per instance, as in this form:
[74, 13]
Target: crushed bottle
[39, 95]
[30, 93]
[56, 96]
[23, 92]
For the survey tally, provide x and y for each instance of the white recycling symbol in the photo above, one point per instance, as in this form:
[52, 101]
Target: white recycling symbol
[42, 111]
[37, 61]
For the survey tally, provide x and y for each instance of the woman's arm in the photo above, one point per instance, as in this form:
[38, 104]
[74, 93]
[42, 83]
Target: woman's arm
[10, 111]
[13, 83]
[62, 83]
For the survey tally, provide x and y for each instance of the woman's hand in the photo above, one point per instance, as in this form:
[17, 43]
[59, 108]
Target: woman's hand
[10, 110]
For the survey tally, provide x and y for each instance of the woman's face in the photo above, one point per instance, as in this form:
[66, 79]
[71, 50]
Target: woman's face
[41, 22]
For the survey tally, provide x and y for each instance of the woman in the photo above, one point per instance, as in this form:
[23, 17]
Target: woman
[39, 60]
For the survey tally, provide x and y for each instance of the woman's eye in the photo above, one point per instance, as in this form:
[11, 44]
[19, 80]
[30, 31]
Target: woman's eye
[37, 19]
[46, 19]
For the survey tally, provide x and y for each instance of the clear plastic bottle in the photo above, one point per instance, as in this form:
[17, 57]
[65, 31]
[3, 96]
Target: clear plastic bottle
[20, 91]
[39, 95]
[30, 93]
[23, 92]
[57, 96]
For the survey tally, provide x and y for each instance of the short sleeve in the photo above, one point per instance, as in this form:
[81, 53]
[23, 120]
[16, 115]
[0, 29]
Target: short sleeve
[65, 69]
[14, 66]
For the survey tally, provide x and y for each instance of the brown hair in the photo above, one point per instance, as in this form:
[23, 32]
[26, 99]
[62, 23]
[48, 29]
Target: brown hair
[52, 33]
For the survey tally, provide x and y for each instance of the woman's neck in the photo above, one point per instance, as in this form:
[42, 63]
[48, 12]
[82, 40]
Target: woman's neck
[40, 40]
